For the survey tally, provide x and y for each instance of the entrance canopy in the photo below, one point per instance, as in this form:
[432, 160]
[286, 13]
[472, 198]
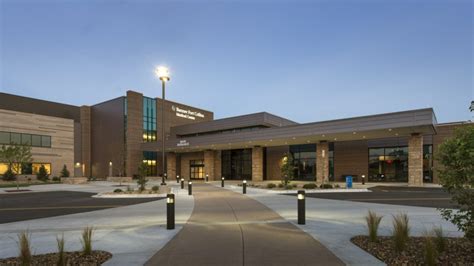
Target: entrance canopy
[398, 124]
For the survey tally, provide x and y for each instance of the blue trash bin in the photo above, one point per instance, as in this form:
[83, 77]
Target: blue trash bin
[348, 181]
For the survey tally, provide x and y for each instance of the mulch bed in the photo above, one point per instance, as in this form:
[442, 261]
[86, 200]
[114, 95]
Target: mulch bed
[459, 251]
[73, 258]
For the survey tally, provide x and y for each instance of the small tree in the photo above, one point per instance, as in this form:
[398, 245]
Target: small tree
[42, 174]
[16, 157]
[142, 171]
[287, 169]
[64, 172]
[456, 155]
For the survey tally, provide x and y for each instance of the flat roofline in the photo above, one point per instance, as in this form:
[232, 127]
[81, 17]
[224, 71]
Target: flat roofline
[368, 116]
[37, 99]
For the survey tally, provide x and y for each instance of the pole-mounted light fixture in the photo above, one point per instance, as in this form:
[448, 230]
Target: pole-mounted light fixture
[163, 74]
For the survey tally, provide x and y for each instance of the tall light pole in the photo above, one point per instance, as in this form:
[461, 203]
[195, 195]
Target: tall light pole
[164, 74]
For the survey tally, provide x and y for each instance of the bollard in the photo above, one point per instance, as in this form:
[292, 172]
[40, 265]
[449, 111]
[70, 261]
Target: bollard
[301, 207]
[190, 188]
[363, 179]
[182, 183]
[170, 211]
[222, 182]
[207, 178]
[177, 179]
[244, 187]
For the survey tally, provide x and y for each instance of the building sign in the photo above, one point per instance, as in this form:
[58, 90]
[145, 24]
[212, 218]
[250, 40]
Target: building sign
[186, 113]
[182, 143]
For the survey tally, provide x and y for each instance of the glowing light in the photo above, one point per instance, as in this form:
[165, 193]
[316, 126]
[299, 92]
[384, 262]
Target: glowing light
[162, 73]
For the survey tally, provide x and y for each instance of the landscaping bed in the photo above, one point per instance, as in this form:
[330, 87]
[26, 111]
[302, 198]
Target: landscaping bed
[459, 251]
[97, 257]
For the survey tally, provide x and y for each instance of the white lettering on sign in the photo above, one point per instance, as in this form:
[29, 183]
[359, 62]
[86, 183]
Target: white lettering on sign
[186, 113]
[182, 143]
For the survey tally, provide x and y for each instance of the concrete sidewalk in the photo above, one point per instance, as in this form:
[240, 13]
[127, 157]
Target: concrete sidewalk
[231, 229]
[335, 222]
[131, 233]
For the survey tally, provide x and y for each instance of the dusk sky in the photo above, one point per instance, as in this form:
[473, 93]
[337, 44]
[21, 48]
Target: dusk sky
[303, 60]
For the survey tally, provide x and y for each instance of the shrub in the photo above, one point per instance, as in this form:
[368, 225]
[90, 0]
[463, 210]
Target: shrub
[294, 185]
[310, 186]
[129, 189]
[429, 251]
[325, 186]
[280, 185]
[24, 246]
[337, 186]
[9, 175]
[56, 179]
[373, 222]
[42, 174]
[457, 176]
[64, 172]
[62, 261]
[401, 231]
[118, 190]
[271, 185]
[87, 240]
[155, 188]
[439, 239]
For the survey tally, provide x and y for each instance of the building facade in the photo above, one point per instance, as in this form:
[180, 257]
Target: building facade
[112, 138]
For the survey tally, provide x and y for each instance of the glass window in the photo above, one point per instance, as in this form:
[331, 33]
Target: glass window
[150, 158]
[4, 137]
[388, 164]
[25, 139]
[45, 141]
[237, 164]
[27, 169]
[3, 168]
[428, 163]
[15, 138]
[304, 161]
[36, 140]
[36, 167]
[149, 119]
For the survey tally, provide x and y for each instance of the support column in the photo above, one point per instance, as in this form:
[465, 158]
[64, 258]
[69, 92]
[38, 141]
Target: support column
[322, 161]
[209, 164]
[85, 112]
[171, 166]
[134, 132]
[257, 163]
[415, 160]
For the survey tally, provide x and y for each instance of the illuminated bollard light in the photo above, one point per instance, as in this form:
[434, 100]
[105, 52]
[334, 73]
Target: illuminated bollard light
[207, 177]
[177, 179]
[363, 179]
[301, 207]
[244, 187]
[222, 182]
[182, 183]
[190, 188]
[170, 211]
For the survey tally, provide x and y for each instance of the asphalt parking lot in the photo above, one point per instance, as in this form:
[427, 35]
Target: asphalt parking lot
[410, 196]
[27, 206]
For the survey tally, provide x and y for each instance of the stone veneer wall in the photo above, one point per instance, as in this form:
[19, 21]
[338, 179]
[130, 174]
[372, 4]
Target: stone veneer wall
[209, 160]
[217, 165]
[415, 160]
[134, 132]
[171, 165]
[86, 140]
[322, 161]
[61, 131]
[257, 163]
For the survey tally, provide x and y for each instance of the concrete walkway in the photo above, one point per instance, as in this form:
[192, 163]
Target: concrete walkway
[227, 228]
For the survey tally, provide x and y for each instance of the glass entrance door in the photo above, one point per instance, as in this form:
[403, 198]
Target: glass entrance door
[196, 169]
[237, 164]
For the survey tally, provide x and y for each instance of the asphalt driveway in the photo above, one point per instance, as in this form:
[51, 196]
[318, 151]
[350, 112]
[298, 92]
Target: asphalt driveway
[27, 206]
[409, 196]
